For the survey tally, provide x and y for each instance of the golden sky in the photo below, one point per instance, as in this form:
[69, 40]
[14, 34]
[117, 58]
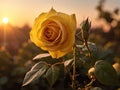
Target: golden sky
[20, 12]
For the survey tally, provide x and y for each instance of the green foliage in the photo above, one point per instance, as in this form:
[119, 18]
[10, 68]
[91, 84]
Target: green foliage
[41, 56]
[36, 72]
[87, 55]
[52, 74]
[105, 73]
[85, 27]
[68, 62]
[13, 68]
[58, 73]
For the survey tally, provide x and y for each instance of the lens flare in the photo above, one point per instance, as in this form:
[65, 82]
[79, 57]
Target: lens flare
[5, 20]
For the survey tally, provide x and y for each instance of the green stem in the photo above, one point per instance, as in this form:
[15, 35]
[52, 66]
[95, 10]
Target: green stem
[74, 65]
[89, 84]
[59, 63]
[79, 38]
[90, 54]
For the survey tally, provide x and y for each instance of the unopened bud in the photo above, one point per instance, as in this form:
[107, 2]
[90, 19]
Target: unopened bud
[85, 27]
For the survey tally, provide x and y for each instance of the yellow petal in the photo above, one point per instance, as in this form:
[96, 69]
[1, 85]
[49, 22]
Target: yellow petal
[58, 54]
[35, 39]
[42, 17]
[63, 26]
[69, 26]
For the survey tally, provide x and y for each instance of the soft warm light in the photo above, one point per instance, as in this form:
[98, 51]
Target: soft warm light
[5, 20]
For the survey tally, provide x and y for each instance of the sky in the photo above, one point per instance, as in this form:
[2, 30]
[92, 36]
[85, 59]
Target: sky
[20, 12]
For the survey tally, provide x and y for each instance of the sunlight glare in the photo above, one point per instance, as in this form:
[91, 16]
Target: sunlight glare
[5, 20]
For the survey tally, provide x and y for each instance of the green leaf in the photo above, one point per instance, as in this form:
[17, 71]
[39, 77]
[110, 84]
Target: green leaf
[52, 74]
[68, 62]
[92, 47]
[36, 71]
[80, 46]
[85, 27]
[43, 55]
[96, 88]
[105, 73]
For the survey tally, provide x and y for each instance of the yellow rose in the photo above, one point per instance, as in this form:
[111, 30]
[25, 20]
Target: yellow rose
[54, 32]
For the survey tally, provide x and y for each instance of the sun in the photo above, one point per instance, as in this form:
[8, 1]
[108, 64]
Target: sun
[5, 20]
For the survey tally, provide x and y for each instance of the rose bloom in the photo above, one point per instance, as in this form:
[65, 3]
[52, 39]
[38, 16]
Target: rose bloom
[54, 32]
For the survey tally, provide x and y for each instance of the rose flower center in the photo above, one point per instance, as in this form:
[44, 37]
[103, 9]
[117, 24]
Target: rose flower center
[48, 33]
[51, 31]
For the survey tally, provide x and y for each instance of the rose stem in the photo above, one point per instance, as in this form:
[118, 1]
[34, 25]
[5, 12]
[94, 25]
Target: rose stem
[74, 65]
[90, 54]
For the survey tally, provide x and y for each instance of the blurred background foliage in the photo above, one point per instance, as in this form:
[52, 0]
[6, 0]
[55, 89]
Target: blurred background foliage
[17, 51]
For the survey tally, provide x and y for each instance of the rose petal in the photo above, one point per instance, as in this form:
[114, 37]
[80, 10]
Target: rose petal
[54, 32]
[58, 54]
